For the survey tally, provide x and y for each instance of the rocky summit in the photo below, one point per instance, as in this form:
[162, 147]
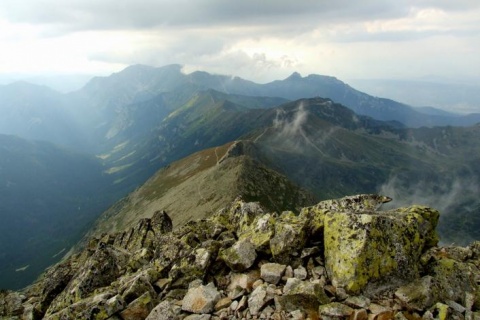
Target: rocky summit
[339, 259]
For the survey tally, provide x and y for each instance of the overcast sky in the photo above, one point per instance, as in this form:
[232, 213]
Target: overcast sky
[257, 40]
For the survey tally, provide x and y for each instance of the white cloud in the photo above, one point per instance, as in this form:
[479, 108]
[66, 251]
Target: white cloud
[257, 40]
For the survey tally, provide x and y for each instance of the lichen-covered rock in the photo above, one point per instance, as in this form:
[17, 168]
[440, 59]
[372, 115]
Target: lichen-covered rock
[454, 278]
[336, 246]
[259, 232]
[94, 307]
[358, 251]
[100, 270]
[136, 287]
[201, 299]
[139, 308]
[303, 295]
[417, 295]
[356, 203]
[290, 236]
[194, 265]
[11, 303]
[240, 256]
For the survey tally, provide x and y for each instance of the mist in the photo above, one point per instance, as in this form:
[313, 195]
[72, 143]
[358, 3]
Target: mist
[456, 198]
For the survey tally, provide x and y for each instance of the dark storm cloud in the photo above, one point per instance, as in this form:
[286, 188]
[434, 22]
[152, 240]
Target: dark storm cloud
[141, 14]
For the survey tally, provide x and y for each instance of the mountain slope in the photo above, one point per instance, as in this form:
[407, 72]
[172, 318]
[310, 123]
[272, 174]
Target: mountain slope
[206, 181]
[325, 148]
[48, 198]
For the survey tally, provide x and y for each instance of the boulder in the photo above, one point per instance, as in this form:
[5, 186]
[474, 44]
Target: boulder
[240, 256]
[163, 311]
[259, 232]
[417, 295]
[303, 295]
[272, 272]
[358, 251]
[201, 299]
[290, 237]
[139, 308]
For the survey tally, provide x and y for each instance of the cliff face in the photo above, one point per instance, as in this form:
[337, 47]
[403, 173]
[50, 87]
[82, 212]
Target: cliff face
[338, 259]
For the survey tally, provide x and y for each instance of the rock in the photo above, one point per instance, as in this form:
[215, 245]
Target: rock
[453, 278]
[12, 303]
[139, 308]
[300, 273]
[223, 303]
[259, 232]
[193, 265]
[198, 317]
[357, 302]
[302, 295]
[240, 256]
[114, 304]
[161, 223]
[418, 295]
[136, 287]
[201, 299]
[356, 203]
[359, 314]
[358, 251]
[244, 281]
[314, 216]
[442, 311]
[290, 237]
[272, 272]
[335, 309]
[338, 247]
[104, 266]
[257, 299]
[455, 306]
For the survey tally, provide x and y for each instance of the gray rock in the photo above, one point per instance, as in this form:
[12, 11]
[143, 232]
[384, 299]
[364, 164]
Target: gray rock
[240, 256]
[163, 311]
[257, 299]
[272, 272]
[300, 273]
[198, 317]
[357, 302]
[335, 309]
[201, 299]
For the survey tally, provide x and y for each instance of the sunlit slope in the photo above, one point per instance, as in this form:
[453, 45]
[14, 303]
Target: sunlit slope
[200, 184]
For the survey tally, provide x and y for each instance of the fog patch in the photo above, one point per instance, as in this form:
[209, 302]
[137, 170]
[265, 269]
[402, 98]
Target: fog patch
[442, 196]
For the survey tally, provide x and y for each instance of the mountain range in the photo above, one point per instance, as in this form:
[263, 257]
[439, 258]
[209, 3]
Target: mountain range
[199, 140]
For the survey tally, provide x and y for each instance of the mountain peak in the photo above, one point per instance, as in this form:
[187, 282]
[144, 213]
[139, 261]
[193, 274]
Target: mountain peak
[294, 76]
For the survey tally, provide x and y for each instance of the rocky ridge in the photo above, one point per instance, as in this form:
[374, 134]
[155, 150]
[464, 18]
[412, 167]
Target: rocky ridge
[339, 259]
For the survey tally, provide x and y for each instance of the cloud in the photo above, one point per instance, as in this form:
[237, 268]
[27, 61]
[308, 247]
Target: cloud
[442, 195]
[257, 40]
[145, 14]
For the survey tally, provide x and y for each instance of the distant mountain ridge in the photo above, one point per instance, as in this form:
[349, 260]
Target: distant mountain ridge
[90, 112]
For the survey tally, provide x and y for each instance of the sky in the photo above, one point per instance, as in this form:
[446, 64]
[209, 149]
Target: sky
[257, 40]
